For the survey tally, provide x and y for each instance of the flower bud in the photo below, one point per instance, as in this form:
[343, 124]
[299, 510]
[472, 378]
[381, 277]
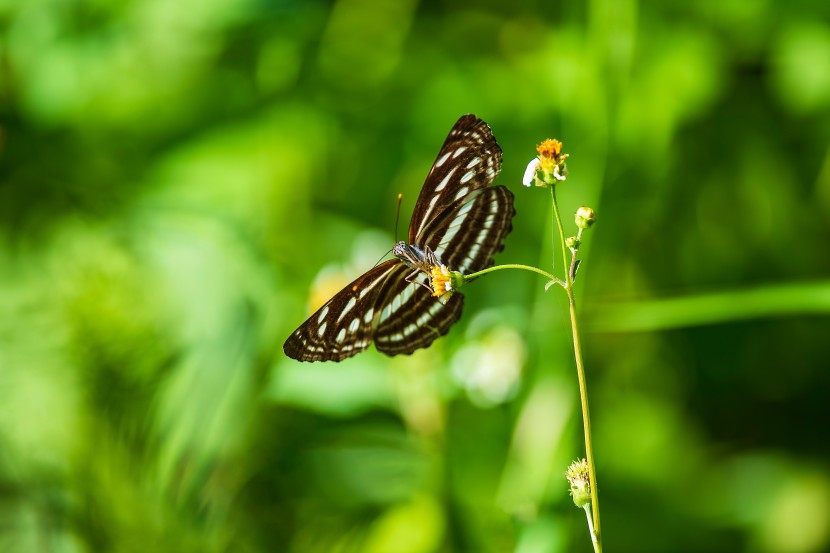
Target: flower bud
[573, 242]
[585, 217]
[580, 482]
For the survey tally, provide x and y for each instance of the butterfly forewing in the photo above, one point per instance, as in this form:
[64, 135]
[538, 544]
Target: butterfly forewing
[344, 325]
[469, 159]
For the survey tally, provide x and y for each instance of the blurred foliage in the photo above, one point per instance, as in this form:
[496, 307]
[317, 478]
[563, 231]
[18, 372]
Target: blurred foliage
[180, 182]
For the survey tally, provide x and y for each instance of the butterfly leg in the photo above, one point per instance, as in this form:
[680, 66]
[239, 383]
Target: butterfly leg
[413, 278]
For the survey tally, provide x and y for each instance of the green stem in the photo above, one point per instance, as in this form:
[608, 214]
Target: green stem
[515, 266]
[594, 535]
[580, 371]
[555, 208]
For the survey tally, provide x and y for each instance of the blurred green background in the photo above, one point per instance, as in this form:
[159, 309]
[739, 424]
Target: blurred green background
[182, 181]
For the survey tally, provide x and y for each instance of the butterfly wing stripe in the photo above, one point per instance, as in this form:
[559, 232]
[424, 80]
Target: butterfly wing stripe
[440, 238]
[394, 303]
[341, 327]
[351, 303]
[441, 185]
[322, 313]
[470, 158]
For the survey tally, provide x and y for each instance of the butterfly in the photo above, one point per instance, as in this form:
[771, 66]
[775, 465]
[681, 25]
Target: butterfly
[459, 221]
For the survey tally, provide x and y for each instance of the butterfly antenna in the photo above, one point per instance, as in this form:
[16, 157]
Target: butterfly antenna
[381, 257]
[398, 215]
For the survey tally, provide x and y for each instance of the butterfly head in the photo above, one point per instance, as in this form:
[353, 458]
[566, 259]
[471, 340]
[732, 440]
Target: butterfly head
[410, 254]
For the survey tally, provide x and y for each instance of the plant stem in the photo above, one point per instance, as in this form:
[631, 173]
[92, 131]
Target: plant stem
[580, 371]
[594, 539]
[567, 284]
[515, 266]
[555, 207]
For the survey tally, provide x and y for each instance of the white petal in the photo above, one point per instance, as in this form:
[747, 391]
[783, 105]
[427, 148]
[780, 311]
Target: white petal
[530, 172]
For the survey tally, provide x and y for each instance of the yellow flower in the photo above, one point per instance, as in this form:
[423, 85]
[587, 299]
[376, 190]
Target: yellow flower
[550, 163]
[441, 279]
[550, 148]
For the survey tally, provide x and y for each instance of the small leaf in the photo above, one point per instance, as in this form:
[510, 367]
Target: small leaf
[575, 269]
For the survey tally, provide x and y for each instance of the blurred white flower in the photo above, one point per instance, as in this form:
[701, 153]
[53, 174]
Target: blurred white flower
[490, 368]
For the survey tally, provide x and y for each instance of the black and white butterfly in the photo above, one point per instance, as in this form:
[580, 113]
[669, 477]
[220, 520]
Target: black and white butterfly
[459, 221]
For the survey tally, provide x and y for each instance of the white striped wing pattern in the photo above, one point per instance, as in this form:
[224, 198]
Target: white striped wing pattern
[460, 218]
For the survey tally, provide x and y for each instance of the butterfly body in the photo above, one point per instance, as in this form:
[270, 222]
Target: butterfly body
[459, 221]
[420, 261]
[413, 256]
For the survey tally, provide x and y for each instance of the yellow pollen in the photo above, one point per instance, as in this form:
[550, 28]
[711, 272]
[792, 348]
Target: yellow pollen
[550, 148]
[440, 278]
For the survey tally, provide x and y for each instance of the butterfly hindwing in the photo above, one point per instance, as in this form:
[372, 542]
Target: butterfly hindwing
[471, 231]
[413, 318]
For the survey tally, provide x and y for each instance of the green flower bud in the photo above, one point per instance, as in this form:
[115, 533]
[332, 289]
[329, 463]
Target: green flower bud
[585, 217]
[580, 482]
